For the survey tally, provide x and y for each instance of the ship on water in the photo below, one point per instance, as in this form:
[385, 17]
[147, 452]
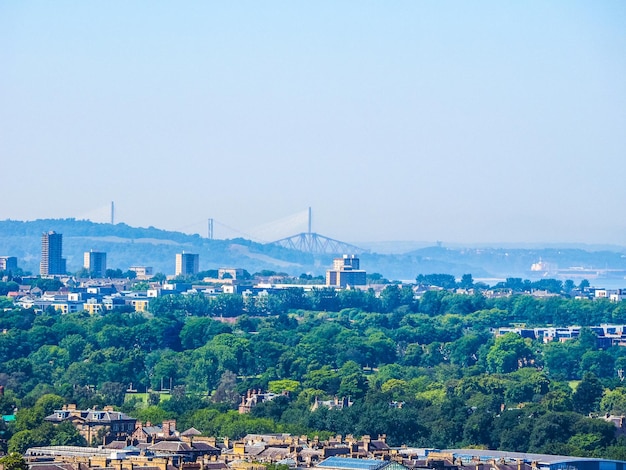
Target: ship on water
[576, 273]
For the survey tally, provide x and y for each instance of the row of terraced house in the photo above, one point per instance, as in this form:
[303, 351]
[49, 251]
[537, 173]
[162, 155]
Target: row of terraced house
[128, 445]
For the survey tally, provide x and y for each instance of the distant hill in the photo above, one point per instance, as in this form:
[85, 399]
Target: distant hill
[126, 246]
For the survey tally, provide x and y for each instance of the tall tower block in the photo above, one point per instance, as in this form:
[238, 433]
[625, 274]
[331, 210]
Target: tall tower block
[95, 262]
[52, 261]
[187, 263]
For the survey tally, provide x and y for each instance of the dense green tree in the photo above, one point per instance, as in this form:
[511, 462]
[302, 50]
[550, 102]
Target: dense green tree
[561, 360]
[588, 393]
[457, 383]
[478, 428]
[113, 393]
[391, 298]
[22, 441]
[614, 401]
[511, 430]
[552, 428]
[46, 285]
[559, 400]
[464, 351]
[353, 382]
[6, 287]
[509, 353]
[466, 282]
[599, 363]
[431, 302]
[197, 332]
[65, 434]
[325, 379]
[445, 281]
[13, 461]
[226, 391]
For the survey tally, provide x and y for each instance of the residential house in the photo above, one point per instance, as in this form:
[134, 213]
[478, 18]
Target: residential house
[96, 426]
[334, 404]
[254, 397]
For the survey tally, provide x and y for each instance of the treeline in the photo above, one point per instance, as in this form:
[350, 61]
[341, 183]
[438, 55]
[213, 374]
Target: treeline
[426, 372]
[400, 300]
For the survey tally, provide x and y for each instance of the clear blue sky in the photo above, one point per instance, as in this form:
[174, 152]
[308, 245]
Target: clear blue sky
[408, 120]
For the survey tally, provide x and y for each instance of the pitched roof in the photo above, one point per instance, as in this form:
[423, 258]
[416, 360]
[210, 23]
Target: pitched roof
[171, 446]
[52, 466]
[274, 452]
[215, 466]
[205, 447]
[378, 445]
[116, 445]
[254, 449]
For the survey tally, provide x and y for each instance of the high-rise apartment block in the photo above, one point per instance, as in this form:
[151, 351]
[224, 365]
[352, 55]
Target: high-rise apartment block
[346, 272]
[96, 263]
[187, 263]
[52, 261]
[8, 263]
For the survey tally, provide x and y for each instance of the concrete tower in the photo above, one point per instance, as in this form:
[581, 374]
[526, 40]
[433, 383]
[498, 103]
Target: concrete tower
[52, 261]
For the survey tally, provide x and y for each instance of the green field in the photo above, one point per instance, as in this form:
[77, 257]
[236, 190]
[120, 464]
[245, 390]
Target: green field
[143, 397]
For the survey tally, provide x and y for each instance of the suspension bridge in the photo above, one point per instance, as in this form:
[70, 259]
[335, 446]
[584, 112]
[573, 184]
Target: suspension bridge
[271, 233]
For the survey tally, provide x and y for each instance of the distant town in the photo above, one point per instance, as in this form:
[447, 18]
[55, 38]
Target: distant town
[232, 354]
[97, 289]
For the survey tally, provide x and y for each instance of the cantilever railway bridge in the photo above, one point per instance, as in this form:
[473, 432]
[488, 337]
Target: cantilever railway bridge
[311, 242]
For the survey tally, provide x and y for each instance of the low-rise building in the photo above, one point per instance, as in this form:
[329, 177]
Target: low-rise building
[254, 397]
[334, 404]
[96, 426]
[142, 272]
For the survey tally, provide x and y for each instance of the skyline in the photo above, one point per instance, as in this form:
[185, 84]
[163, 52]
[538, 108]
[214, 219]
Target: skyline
[465, 123]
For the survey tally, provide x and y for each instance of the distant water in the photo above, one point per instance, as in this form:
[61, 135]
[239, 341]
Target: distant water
[608, 283]
[599, 283]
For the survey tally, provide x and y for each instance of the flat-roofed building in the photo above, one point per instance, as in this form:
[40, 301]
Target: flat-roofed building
[95, 262]
[8, 263]
[346, 272]
[142, 272]
[187, 263]
[499, 459]
[52, 261]
[230, 273]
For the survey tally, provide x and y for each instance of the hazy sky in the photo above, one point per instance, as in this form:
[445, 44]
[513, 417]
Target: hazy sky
[407, 120]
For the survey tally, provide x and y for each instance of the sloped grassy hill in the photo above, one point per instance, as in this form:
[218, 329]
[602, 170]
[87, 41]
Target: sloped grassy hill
[126, 246]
